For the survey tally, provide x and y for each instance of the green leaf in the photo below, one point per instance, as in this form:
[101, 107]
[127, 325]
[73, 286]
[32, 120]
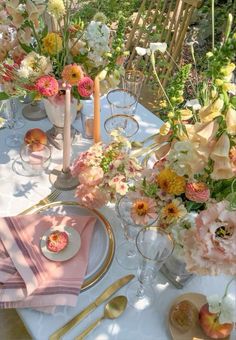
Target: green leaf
[26, 48]
[4, 96]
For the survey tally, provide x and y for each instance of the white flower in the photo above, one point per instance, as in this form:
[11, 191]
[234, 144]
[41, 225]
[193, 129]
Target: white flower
[56, 8]
[36, 65]
[158, 47]
[194, 103]
[228, 310]
[23, 72]
[214, 302]
[141, 51]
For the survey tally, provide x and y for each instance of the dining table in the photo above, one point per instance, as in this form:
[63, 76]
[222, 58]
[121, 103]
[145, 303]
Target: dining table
[19, 191]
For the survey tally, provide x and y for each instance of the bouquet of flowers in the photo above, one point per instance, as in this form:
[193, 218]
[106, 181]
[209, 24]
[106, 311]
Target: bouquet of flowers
[104, 172]
[43, 44]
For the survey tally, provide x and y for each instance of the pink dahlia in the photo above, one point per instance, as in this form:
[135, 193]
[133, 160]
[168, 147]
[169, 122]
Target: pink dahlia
[47, 86]
[197, 192]
[85, 87]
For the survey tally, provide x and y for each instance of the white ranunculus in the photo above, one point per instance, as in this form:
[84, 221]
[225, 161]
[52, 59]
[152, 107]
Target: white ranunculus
[158, 47]
[194, 103]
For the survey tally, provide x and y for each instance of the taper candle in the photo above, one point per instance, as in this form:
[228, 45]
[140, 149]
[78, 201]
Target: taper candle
[97, 123]
[67, 132]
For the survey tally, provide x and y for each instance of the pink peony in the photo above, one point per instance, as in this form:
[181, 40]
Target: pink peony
[197, 192]
[47, 86]
[91, 197]
[210, 248]
[91, 176]
[85, 87]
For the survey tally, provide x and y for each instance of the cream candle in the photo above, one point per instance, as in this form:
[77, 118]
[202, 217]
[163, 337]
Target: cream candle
[67, 131]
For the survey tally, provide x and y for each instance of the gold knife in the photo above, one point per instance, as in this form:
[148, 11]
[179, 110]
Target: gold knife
[106, 294]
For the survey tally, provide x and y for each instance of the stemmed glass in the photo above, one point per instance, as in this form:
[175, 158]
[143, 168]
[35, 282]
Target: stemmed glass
[154, 246]
[125, 125]
[8, 111]
[133, 82]
[122, 101]
[126, 254]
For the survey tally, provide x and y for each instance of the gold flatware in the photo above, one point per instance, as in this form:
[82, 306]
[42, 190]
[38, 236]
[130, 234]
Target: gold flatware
[106, 294]
[46, 200]
[113, 309]
[139, 144]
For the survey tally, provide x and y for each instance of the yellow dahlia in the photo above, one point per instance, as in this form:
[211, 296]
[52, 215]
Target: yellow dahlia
[72, 74]
[56, 8]
[52, 43]
[173, 211]
[170, 182]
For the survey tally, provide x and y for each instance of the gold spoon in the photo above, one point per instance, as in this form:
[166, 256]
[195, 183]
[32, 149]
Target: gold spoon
[138, 145]
[113, 309]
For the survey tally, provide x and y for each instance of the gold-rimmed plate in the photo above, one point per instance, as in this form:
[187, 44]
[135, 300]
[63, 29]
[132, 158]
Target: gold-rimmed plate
[103, 242]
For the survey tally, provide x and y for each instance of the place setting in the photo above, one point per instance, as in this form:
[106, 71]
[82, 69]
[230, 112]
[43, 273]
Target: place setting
[118, 169]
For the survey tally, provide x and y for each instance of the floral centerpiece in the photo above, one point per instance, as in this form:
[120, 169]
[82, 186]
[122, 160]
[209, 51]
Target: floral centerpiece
[45, 45]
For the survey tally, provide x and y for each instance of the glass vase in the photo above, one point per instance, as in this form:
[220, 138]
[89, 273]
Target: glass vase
[55, 110]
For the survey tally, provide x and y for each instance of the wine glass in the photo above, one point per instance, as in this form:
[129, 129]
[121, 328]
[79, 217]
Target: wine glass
[125, 125]
[8, 111]
[154, 246]
[126, 254]
[122, 101]
[133, 82]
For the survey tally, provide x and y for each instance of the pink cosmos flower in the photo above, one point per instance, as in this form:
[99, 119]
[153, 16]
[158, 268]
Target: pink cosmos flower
[85, 87]
[47, 86]
[197, 192]
[210, 248]
[91, 197]
[144, 209]
[91, 176]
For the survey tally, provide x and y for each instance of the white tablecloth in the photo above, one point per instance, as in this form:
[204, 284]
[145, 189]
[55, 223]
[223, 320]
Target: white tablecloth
[18, 192]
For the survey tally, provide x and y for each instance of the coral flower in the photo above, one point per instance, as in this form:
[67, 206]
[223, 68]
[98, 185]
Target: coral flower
[170, 182]
[197, 192]
[47, 86]
[173, 211]
[72, 74]
[52, 43]
[143, 210]
[91, 197]
[85, 87]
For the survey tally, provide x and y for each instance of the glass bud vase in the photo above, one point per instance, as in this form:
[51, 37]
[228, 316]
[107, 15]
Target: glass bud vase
[174, 269]
[55, 110]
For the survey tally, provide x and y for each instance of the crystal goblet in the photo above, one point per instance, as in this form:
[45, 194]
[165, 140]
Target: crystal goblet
[126, 254]
[125, 125]
[122, 101]
[154, 246]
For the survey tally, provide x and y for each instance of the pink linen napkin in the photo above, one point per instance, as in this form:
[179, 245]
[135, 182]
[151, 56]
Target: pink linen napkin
[27, 278]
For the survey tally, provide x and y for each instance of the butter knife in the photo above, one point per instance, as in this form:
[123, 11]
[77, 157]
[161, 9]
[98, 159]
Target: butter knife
[106, 294]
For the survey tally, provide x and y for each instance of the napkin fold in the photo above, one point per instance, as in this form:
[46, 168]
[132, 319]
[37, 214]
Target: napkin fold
[27, 278]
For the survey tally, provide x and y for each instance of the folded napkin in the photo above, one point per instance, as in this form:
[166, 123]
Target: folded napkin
[27, 278]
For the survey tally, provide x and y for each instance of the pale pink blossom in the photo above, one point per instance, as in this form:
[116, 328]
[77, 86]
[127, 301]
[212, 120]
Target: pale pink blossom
[144, 210]
[91, 176]
[91, 197]
[210, 248]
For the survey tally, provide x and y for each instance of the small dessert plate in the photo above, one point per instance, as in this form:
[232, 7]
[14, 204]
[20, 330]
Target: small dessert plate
[69, 251]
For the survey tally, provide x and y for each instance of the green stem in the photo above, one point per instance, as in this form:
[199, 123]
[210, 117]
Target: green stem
[36, 37]
[232, 185]
[213, 23]
[159, 82]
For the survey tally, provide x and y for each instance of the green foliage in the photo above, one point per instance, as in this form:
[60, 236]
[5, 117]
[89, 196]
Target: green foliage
[3, 96]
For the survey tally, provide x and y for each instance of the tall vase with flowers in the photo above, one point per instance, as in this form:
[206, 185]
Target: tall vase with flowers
[53, 46]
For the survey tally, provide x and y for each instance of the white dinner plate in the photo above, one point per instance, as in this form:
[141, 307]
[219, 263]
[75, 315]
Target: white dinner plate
[74, 243]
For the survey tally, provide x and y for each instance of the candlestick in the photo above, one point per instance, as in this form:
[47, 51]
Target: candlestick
[67, 127]
[97, 123]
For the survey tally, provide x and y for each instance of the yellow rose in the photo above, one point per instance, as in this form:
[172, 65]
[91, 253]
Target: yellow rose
[52, 43]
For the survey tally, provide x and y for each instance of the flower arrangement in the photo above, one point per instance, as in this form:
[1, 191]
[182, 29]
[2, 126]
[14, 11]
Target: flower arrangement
[104, 171]
[44, 44]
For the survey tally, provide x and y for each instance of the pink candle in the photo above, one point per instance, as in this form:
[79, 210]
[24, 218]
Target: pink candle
[67, 127]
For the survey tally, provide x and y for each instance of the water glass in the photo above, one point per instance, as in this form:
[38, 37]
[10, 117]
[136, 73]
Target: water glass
[133, 82]
[127, 126]
[154, 246]
[87, 118]
[35, 159]
[122, 102]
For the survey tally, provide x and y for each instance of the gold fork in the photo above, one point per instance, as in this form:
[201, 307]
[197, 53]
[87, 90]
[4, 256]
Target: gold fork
[48, 199]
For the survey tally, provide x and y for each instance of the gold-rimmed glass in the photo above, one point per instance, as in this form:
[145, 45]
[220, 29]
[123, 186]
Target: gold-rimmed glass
[122, 101]
[125, 125]
[154, 246]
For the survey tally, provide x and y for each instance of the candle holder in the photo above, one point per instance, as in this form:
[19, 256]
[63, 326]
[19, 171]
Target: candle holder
[63, 180]
[61, 177]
